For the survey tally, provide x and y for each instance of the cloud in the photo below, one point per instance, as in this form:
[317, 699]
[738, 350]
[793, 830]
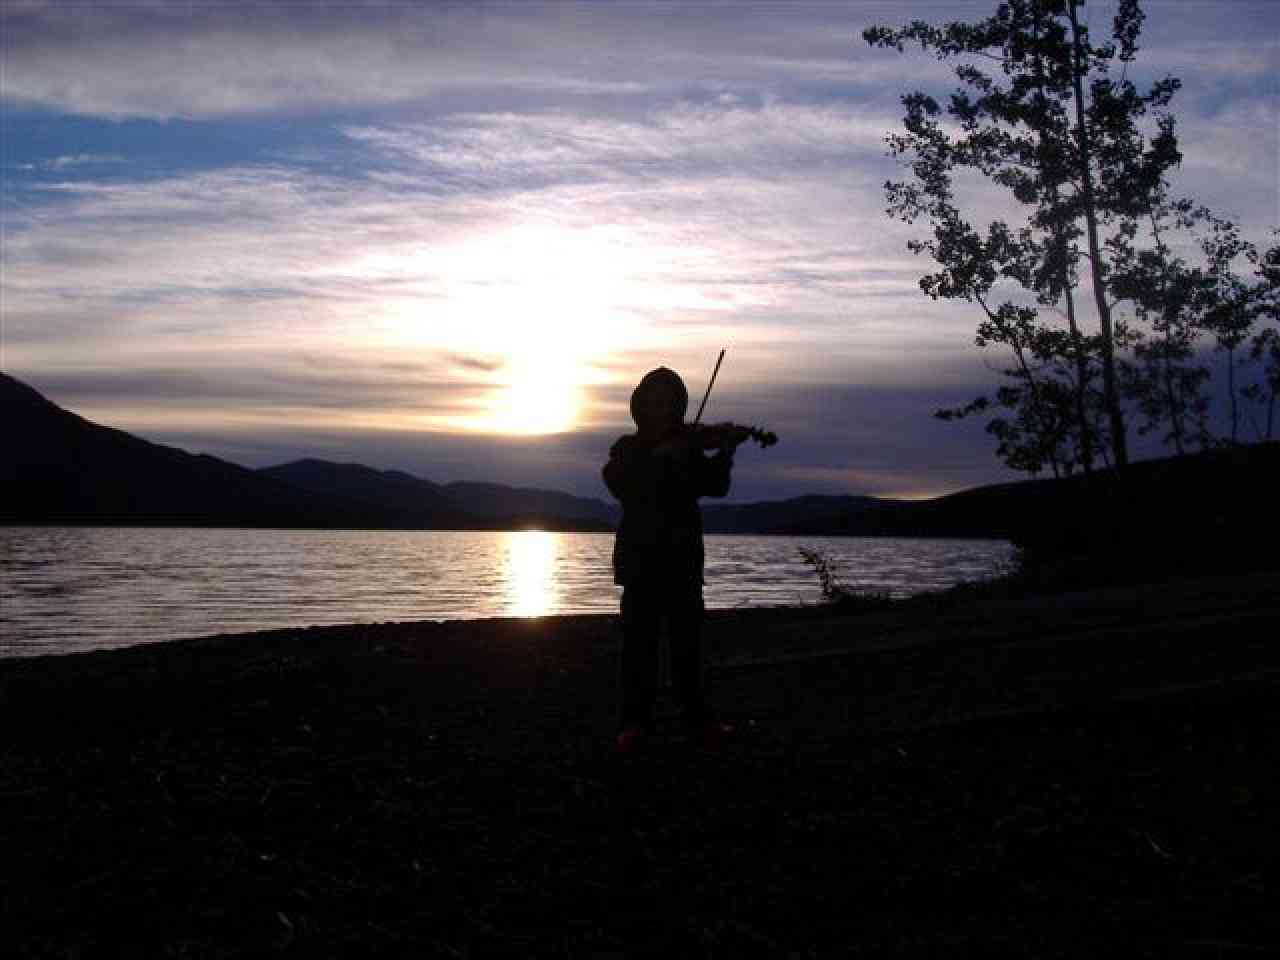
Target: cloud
[267, 256]
[481, 364]
[297, 381]
[687, 138]
[232, 58]
[498, 189]
[1232, 160]
[72, 160]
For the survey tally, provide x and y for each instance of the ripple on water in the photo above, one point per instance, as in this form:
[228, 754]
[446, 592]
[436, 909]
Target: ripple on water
[64, 588]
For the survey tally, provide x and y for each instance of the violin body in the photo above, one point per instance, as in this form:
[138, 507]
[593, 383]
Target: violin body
[710, 436]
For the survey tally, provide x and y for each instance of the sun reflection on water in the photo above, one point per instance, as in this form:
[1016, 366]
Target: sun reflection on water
[530, 557]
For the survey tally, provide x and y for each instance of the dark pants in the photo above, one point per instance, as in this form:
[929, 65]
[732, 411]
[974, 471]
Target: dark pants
[650, 609]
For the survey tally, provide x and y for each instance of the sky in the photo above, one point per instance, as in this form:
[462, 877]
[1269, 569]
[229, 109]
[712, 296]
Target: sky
[449, 238]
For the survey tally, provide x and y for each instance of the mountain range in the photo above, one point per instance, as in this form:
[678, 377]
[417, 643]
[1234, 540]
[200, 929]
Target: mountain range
[59, 468]
[62, 468]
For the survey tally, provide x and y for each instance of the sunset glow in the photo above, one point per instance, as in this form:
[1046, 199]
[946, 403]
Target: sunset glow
[540, 399]
[541, 306]
[530, 572]
[423, 239]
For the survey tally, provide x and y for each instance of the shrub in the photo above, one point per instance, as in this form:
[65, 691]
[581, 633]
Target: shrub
[836, 592]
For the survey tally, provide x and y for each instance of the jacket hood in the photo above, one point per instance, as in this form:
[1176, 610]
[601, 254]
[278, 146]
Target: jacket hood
[660, 378]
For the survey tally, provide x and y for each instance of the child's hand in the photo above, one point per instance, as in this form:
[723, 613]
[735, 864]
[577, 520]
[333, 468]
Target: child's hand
[733, 436]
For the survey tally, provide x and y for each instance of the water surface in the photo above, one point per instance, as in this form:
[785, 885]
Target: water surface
[64, 589]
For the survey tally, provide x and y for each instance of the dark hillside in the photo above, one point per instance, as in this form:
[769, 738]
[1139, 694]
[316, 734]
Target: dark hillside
[61, 468]
[468, 506]
[499, 500]
[813, 515]
[392, 489]
[1211, 511]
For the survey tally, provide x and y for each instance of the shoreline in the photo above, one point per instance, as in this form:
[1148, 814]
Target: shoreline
[984, 598]
[716, 617]
[609, 531]
[328, 631]
[1050, 776]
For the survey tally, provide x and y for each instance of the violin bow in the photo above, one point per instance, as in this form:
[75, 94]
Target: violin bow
[711, 383]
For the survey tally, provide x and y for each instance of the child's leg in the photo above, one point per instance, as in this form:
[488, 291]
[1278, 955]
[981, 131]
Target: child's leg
[639, 679]
[686, 612]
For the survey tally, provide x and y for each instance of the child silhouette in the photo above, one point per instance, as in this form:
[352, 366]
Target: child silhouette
[658, 473]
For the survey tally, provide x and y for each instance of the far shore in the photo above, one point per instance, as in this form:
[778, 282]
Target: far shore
[974, 772]
[548, 528]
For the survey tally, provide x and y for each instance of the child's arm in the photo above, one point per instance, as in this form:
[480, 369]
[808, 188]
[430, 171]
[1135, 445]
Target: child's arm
[629, 471]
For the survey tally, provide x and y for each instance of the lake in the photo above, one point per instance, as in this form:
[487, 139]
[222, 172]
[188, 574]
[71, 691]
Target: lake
[65, 589]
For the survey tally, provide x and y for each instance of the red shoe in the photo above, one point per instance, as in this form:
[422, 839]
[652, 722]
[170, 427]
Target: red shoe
[631, 738]
[715, 734]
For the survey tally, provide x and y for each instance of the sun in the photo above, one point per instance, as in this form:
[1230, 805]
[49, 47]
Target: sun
[541, 398]
[546, 312]
[528, 315]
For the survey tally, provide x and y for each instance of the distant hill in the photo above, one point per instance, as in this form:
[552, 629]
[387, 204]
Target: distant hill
[391, 489]
[1214, 510]
[60, 468]
[469, 505]
[498, 500]
[814, 515]
[520, 506]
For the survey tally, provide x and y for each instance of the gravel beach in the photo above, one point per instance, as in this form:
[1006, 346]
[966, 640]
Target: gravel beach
[980, 774]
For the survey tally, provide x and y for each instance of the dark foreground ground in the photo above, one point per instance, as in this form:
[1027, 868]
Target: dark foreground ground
[1086, 775]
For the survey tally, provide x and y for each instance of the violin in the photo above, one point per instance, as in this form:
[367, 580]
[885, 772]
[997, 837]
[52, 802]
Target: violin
[709, 436]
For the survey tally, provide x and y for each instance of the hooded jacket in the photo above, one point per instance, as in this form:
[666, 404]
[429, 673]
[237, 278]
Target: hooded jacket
[658, 484]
